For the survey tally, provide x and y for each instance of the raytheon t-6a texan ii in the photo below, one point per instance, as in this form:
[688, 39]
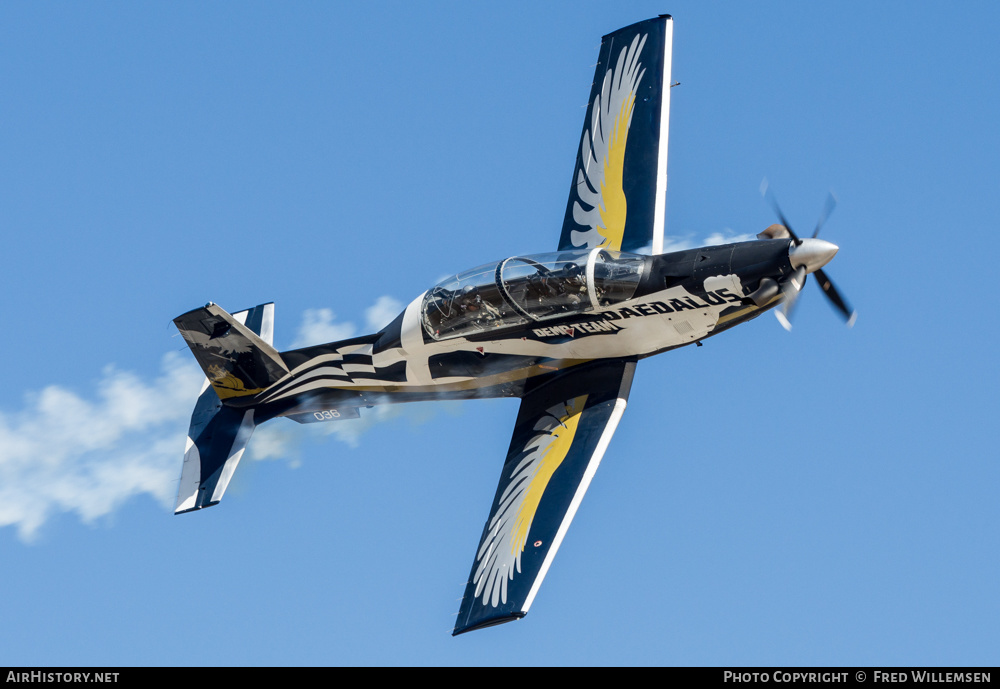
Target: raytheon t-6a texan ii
[561, 331]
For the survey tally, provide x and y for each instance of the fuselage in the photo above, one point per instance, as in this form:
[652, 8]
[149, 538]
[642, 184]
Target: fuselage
[532, 318]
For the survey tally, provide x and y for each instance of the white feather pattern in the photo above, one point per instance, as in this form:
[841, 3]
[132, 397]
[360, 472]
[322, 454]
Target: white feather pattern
[499, 556]
[619, 83]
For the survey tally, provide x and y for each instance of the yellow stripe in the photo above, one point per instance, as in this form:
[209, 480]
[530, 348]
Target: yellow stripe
[552, 458]
[614, 206]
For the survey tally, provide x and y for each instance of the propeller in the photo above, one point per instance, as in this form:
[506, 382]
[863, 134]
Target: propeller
[790, 289]
[792, 286]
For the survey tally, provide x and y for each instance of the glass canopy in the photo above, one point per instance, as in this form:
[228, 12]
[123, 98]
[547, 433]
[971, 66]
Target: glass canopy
[525, 289]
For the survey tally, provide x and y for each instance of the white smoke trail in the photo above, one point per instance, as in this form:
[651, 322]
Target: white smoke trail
[63, 452]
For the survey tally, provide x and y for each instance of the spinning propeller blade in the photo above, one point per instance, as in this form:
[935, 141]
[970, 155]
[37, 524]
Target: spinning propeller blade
[791, 287]
[831, 203]
[826, 284]
[769, 196]
[790, 290]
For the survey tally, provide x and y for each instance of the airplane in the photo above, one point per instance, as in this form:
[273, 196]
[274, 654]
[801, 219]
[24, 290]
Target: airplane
[561, 331]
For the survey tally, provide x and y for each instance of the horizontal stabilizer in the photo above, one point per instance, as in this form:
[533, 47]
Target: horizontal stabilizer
[214, 448]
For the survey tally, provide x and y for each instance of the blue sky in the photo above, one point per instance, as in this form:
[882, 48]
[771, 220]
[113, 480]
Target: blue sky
[826, 496]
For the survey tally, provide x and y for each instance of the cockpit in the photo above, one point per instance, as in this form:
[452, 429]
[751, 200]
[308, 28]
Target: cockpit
[524, 289]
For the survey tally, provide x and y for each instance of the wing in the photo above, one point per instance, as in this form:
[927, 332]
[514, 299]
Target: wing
[563, 427]
[618, 196]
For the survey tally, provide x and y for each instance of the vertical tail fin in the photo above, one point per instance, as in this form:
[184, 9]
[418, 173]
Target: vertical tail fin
[237, 361]
[240, 345]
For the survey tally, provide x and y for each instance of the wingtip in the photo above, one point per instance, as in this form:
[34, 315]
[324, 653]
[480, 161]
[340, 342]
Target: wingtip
[491, 622]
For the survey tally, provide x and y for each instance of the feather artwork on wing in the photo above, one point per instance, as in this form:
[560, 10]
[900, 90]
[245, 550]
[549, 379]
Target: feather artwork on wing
[499, 555]
[601, 204]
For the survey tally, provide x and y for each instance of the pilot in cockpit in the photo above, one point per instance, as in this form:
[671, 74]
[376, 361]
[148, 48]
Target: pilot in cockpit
[473, 307]
[572, 283]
